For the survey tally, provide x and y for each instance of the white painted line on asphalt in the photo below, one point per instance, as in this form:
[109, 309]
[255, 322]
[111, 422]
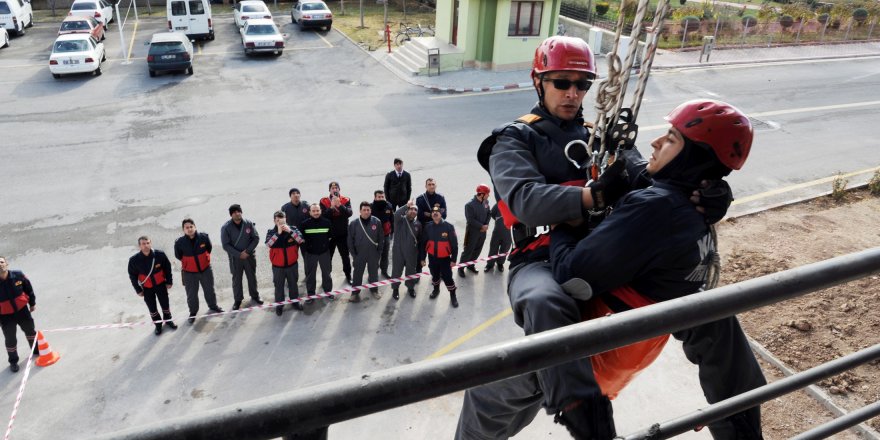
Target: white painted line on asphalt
[131, 45]
[469, 95]
[329, 45]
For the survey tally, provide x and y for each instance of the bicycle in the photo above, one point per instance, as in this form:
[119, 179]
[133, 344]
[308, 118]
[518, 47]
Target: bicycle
[406, 33]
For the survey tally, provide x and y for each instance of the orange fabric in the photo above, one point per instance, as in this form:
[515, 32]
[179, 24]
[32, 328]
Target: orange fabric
[158, 276]
[7, 307]
[616, 368]
[196, 263]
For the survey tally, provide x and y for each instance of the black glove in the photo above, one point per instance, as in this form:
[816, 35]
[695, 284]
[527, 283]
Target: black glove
[611, 186]
[713, 199]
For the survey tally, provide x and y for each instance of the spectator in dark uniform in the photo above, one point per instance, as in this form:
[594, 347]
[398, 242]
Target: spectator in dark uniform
[428, 200]
[398, 185]
[283, 241]
[476, 214]
[296, 210]
[240, 238]
[193, 250]
[17, 301]
[383, 211]
[365, 241]
[150, 274]
[441, 247]
[316, 250]
[337, 208]
[499, 242]
[406, 247]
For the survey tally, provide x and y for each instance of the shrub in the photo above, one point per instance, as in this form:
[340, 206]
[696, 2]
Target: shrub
[860, 15]
[690, 23]
[838, 188]
[749, 21]
[823, 18]
[601, 8]
[874, 183]
[786, 21]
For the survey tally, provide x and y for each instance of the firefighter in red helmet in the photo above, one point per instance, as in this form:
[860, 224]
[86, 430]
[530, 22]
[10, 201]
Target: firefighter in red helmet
[536, 186]
[476, 215]
[707, 139]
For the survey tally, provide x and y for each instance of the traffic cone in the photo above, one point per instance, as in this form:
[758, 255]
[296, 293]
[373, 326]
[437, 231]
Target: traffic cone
[47, 356]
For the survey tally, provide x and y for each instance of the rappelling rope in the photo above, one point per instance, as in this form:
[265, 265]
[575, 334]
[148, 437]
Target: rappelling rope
[645, 70]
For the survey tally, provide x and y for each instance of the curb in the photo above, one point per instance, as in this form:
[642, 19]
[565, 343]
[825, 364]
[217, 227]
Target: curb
[769, 61]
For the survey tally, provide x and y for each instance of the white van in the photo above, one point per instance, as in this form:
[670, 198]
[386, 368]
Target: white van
[192, 17]
[15, 15]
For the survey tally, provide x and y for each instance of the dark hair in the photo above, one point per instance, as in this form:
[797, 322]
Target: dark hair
[377, 192]
[187, 220]
[293, 190]
[143, 238]
[334, 183]
[280, 214]
[429, 179]
[397, 160]
[367, 204]
[234, 208]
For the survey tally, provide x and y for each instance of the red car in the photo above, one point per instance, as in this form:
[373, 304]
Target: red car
[82, 24]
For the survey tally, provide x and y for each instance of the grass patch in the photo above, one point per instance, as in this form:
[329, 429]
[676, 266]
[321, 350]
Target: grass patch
[350, 23]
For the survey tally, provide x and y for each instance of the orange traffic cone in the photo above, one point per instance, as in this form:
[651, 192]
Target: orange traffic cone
[47, 356]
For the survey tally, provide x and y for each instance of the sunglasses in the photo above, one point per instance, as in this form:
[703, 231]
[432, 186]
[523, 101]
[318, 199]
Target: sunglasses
[564, 84]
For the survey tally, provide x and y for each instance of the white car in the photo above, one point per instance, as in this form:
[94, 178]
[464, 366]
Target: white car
[99, 9]
[4, 38]
[309, 13]
[261, 35]
[248, 10]
[76, 53]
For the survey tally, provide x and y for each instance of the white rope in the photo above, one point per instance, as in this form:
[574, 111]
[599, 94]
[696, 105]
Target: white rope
[645, 70]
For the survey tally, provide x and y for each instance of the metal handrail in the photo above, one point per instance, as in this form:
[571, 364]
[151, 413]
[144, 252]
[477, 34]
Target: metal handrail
[319, 406]
[840, 423]
[757, 396]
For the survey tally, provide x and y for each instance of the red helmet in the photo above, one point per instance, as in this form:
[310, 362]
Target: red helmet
[717, 124]
[563, 53]
[483, 189]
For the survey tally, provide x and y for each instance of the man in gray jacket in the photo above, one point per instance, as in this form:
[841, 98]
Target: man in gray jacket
[365, 242]
[405, 251]
[476, 213]
[240, 238]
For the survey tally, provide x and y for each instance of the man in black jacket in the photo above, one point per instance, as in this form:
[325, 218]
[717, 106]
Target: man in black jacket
[17, 301]
[337, 208]
[283, 242]
[193, 250]
[476, 215]
[150, 273]
[240, 238]
[440, 245]
[383, 211]
[316, 250]
[429, 200]
[398, 185]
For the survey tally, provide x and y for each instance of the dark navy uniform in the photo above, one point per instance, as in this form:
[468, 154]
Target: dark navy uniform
[398, 188]
[426, 203]
[500, 241]
[339, 230]
[384, 211]
[316, 252]
[151, 275]
[476, 215]
[16, 294]
[195, 258]
[284, 255]
[441, 247]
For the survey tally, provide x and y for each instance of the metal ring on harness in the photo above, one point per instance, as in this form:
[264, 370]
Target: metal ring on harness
[584, 154]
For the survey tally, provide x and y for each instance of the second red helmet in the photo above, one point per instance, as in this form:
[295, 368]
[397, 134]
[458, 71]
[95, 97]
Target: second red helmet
[717, 124]
[483, 189]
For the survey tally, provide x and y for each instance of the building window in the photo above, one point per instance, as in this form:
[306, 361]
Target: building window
[525, 19]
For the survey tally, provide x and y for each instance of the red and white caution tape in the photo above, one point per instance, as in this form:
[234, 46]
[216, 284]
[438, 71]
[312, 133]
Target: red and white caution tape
[330, 294]
[27, 372]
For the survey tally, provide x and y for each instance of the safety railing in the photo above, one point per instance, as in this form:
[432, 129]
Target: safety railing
[316, 407]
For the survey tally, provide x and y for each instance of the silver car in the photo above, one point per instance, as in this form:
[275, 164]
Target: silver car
[312, 13]
[261, 36]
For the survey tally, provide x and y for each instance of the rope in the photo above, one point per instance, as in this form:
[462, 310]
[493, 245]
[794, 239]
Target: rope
[645, 70]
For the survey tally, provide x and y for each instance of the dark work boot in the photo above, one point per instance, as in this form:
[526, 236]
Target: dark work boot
[589, 419]
[411, 292]
[279, 310]
[158, 330]
[488, 268]
[461, 272]
[395, 293]
[257, 300]
[473, 269]
[435, 292]
[453, 299]
[171, 325]
[236, 305]
[355, 297]
[14, 367]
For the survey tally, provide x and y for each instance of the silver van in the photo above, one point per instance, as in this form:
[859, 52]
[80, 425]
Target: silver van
[15, 15]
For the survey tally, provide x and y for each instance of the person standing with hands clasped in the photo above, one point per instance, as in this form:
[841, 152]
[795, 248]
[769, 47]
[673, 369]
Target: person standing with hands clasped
[193, 250]
[383, 211]
[283, 241]
[17, 301]
[441, 247]
[316, 251]
[366, 241]
[150, 273]
[240, 238]
[337, 208]
[476, 213]
[398, 185]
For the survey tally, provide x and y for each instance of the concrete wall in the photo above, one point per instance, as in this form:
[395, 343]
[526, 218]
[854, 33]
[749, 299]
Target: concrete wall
[575, 28]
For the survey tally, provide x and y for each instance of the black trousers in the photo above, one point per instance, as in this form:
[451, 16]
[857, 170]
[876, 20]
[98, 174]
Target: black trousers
[341, 243]
[157, 293]
[440, 269]
[23, 319]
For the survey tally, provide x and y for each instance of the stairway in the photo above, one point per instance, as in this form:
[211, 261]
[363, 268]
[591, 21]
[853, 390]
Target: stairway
[412, 57]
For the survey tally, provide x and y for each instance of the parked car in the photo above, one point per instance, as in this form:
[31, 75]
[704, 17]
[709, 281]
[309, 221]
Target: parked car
[15, 15]
[314, 14]
[261, 35]
[76, 53]
[170, 51]
[100, 10]
[4, 37]
[248, 9]
[192, 17]
[82, 24]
